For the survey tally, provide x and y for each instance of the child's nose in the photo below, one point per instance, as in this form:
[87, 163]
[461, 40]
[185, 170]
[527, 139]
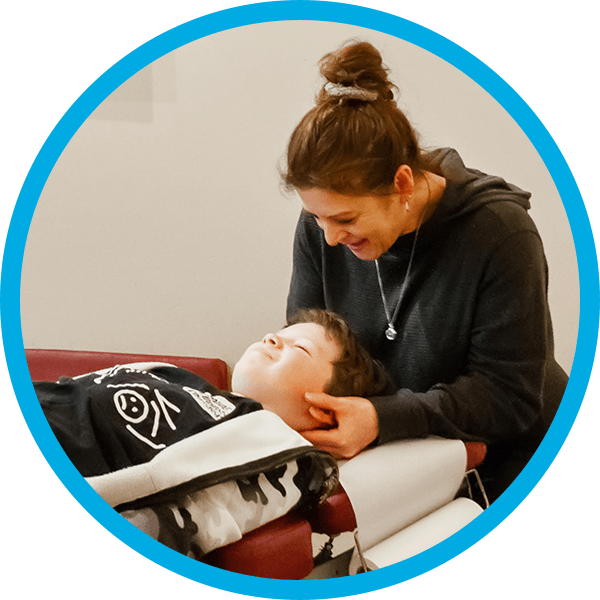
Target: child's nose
[272, 339]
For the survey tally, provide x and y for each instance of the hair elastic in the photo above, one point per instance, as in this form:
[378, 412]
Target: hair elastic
[354, 93]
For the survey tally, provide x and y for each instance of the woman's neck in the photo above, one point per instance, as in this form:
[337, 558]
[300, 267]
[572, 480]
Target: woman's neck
[427, 193]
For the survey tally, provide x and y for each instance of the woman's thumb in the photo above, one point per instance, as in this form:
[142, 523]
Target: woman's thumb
[316, 399]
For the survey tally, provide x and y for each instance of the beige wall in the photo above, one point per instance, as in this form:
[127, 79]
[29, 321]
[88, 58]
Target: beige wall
[162, 228]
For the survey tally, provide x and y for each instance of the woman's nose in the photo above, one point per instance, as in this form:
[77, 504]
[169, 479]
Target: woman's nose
[333, 234]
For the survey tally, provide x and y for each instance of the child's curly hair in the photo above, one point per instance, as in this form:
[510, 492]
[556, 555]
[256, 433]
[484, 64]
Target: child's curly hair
[356, 372]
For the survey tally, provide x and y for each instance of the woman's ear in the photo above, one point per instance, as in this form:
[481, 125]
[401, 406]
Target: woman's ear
[404, 182]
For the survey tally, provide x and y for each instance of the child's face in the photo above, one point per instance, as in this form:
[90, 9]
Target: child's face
[280, 369]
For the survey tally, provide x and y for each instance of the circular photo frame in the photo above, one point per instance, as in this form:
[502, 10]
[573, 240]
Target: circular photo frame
[272, 12]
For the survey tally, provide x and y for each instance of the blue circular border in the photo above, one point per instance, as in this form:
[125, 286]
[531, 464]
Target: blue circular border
[312, 11]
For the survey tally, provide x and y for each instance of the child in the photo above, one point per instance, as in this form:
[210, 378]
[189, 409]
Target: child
[316, 352]
[126, 415]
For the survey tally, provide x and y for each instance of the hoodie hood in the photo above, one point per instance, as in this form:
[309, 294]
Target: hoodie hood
[472, 188]
[466, 191]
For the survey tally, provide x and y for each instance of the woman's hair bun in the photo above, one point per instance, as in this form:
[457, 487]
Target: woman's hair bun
[355, 137]
[357, 64]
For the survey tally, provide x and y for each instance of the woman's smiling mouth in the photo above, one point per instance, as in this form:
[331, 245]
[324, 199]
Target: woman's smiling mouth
[357, 246]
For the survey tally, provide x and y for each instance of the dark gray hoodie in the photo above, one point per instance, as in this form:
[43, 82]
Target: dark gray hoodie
[474, 356]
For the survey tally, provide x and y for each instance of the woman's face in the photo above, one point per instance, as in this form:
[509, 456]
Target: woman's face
[367, 225]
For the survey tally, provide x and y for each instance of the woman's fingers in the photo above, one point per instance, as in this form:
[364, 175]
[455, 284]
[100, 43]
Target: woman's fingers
[322, 400]
[355, 424]
[324, 439]
[324, 417]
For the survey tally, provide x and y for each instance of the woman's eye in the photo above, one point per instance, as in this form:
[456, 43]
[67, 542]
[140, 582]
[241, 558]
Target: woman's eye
[319, 221]
[303, 349]
[345, 220]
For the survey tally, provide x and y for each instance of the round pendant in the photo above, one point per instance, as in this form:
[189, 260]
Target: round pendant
[390, 333]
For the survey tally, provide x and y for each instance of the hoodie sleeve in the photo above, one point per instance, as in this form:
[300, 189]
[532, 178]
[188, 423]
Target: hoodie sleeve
[306, 287]
[498, 396]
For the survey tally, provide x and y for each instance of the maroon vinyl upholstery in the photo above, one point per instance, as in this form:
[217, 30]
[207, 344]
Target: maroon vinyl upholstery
[49, 365]
[281, 549]
[476, 452]
[335, 515]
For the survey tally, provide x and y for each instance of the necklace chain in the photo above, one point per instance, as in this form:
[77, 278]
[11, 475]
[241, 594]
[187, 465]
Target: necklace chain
[390, 332]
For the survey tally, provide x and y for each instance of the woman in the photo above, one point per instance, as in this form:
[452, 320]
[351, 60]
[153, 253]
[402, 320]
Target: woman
[438, 268]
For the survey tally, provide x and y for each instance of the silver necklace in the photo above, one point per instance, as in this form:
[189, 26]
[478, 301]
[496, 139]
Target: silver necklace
[390, 332]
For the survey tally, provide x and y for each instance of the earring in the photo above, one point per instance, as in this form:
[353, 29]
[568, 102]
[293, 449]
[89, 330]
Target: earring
[408, 197]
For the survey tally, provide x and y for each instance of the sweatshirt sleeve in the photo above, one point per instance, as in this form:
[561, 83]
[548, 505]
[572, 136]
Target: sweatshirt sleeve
[306, 286]
[498, 395]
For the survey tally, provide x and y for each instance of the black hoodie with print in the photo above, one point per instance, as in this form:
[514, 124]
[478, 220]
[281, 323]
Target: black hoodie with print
[474, 356]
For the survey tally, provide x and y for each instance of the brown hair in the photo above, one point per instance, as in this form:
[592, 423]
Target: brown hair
[356, 372]
[348, 145]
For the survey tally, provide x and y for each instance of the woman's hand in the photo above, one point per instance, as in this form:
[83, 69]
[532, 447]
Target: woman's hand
[352, 421]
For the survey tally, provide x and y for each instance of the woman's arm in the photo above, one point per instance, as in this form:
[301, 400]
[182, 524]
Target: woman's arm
[306, 286]
[498, 394]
